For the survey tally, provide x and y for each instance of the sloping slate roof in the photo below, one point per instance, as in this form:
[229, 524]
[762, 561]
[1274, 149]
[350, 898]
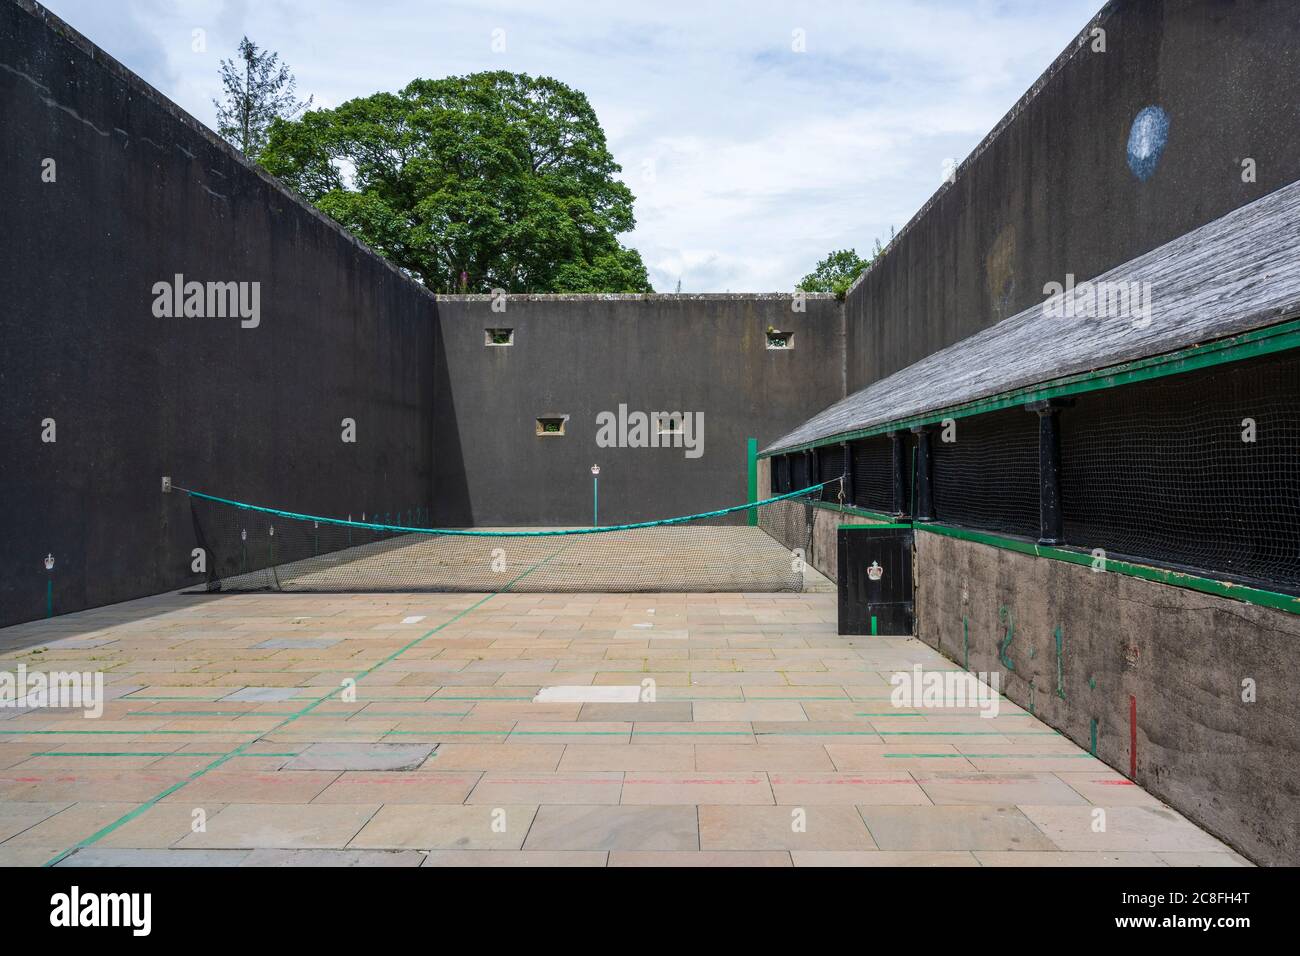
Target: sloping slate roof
[1237, 273]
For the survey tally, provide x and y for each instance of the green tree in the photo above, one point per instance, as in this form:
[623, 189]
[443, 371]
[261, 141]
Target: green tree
[472, 183]
[258, 89]
[836, 272]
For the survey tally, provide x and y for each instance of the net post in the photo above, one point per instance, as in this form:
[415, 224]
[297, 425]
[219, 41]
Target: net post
[751, 468]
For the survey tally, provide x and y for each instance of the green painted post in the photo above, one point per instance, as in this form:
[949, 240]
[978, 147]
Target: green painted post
[751, 456]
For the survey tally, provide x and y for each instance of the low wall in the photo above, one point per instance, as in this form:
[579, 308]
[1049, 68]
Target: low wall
[1177, 658]
[822, 544]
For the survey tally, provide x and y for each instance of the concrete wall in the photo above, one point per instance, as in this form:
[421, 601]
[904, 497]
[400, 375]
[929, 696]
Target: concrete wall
[143, 192]
[1231, 766]
[583, 355]
[821, 540]
[1051, 190]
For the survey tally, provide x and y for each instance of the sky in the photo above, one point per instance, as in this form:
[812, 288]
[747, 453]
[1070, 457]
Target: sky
[757, 136]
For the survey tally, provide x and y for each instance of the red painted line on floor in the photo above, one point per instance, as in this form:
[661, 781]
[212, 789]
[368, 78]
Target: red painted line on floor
[1133, 737]
[842, 780]
[674, 781]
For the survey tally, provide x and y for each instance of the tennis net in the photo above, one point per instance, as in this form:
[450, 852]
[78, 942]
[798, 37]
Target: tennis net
[249, 547]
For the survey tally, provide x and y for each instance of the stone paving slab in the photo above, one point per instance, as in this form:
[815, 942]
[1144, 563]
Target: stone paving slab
[614, 828]
[361, 757]
[516, 734]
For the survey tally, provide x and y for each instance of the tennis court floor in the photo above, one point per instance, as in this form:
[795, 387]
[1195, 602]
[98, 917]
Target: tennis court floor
[231, 739]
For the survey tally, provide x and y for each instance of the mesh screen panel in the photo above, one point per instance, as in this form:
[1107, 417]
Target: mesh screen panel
[873, 473]
[988, 478]
[830, 467]
[257, 549]
[799, 470]
[1158, 470]
[781, 475]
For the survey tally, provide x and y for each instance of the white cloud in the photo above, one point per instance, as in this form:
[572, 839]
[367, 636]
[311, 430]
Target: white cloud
[762, 159]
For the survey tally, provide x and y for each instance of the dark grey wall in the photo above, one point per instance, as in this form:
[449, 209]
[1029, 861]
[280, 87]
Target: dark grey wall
[144, 192]
[580, 355]
[1051, 192]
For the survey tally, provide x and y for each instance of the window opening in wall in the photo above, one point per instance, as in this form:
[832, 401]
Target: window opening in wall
[551, 424]
[776, 339]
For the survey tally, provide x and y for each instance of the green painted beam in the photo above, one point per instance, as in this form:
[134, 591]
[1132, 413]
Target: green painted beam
[1180, 579]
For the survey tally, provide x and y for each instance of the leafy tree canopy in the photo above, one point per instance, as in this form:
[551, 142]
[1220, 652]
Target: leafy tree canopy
[836, 272]
[471, 183]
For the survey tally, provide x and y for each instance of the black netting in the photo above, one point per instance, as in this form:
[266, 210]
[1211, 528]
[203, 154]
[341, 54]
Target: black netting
[830, 466]
[1159, 470]
[873, 473]
[781, 466]
[986, 477]
[799, 470]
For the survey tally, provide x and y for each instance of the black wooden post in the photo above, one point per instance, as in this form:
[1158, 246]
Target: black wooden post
[1051, 527]
[847, 488]
[924, 492]
[898, 474]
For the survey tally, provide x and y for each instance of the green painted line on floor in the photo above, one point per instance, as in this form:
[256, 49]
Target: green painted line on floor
[438, 697]
[239, 751]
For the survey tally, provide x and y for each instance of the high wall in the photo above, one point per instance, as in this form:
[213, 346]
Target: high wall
[1051, 190]
[583, 355]
[138, 193]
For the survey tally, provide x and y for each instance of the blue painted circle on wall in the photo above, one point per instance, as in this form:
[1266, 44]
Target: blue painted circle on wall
[1146, 141]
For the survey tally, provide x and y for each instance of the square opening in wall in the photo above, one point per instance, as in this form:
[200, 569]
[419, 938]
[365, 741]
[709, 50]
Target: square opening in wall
[776, 339]
[668, 423]
[549, 425]
[498, 336]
